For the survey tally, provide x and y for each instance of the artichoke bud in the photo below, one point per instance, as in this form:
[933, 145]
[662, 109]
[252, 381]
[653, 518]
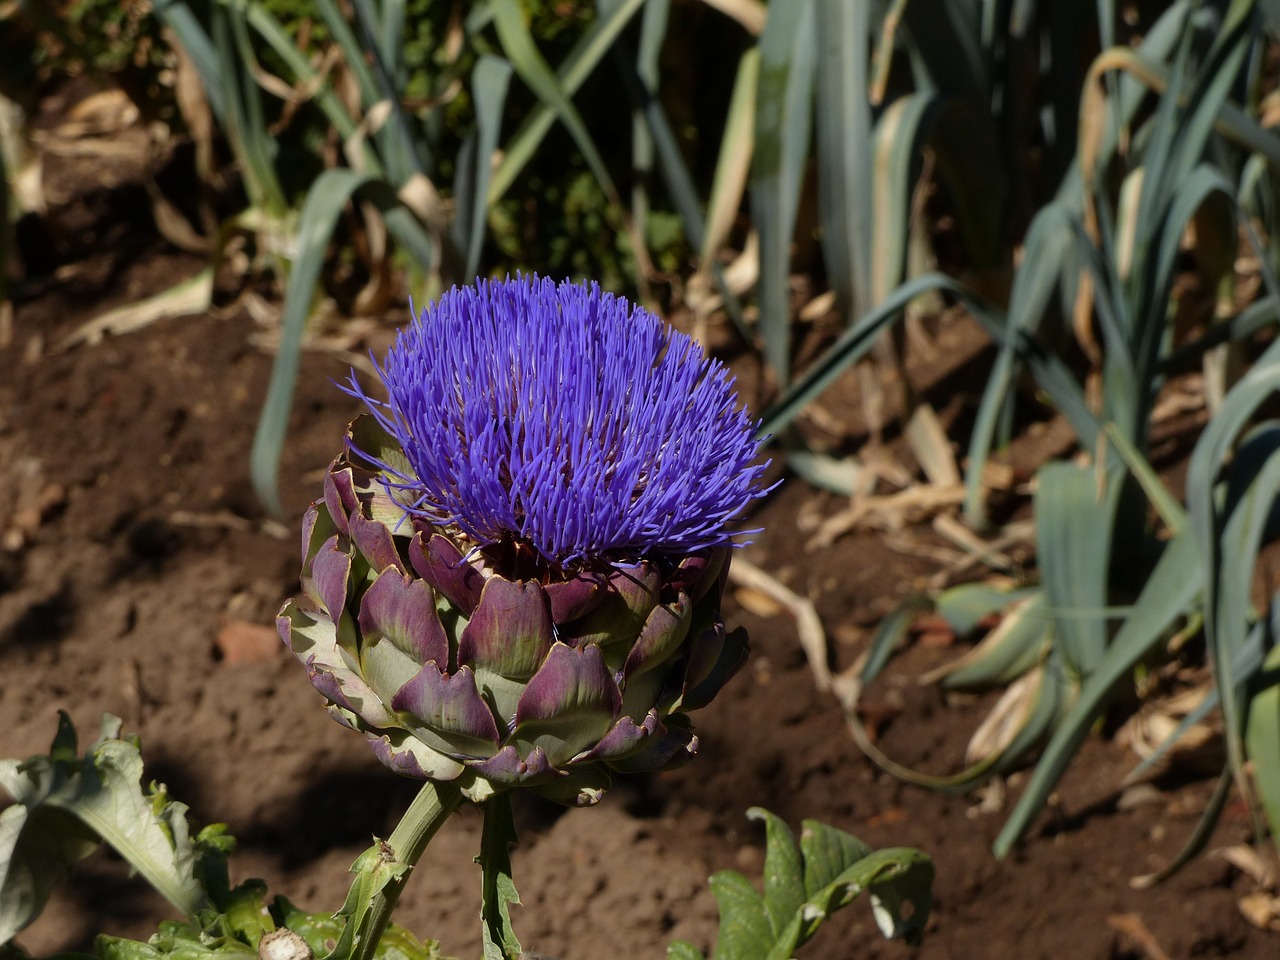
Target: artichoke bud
[514, 575]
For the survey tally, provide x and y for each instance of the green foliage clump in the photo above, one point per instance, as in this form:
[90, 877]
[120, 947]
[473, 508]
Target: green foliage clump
[115, 40]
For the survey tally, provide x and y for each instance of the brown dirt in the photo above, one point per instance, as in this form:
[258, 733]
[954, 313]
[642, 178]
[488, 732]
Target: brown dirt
[137, 539]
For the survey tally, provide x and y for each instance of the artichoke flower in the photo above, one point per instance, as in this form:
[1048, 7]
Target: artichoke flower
[514, 576]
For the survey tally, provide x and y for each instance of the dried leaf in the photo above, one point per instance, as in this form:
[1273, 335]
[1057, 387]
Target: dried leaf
[1262, 910]
[1131, 925]
[812, 638]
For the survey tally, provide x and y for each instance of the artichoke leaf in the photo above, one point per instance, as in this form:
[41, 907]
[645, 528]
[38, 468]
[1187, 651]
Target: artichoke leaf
[63, 804]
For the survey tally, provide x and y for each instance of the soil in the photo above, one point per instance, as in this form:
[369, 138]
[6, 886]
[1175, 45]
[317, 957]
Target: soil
[134, 548]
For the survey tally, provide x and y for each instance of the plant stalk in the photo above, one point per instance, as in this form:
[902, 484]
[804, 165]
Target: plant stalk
[433, 805]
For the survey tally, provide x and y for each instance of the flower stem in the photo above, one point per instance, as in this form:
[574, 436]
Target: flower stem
[429, 810]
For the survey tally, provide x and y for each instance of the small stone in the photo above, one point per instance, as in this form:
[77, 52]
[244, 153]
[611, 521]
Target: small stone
[283, 944]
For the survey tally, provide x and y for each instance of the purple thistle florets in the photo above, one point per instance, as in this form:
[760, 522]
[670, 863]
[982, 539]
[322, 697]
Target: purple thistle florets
[567, 419]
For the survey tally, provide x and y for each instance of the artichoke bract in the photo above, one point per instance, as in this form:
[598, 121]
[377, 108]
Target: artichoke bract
[514, 576]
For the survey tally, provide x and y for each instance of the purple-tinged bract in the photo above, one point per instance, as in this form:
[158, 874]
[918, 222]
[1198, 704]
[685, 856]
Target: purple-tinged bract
[566, 419]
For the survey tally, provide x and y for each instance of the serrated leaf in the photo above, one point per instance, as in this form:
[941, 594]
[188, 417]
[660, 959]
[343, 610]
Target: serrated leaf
[175, 941]
[900, 883]
[745, 933]
[376, 870]
[62, 803]
[37, 848]
[784, 888]
[828, 852]
[320, 930]
[901, 892]
[684, 950]
[835, 867]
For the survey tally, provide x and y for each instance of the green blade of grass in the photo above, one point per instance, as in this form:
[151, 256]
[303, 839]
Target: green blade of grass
[1165, 504]
[1049, 242]
[1262, 738]
[520, 49]
[897, 143]
[1248, 662]
[1257, 316]
[965, 605]
[522, 52]
[733, 164]
[353, 53]
[838, 476]
[1193, 192]
[324, 204]
[282, 45]
[1169, 592]
[381, 35]
[490, 80]
[1252, 489]
[573, 71]
[890, 632]
[1035, 724]
[658, 138]
[1212, 451]
[250, 141]
[1200, 836]
[644, 72]
[783, 121]
[1102, 130]
[965, 148]
[675, 172]
[1006, 653]
[949, 45]
[849, 208]
[1074, 523]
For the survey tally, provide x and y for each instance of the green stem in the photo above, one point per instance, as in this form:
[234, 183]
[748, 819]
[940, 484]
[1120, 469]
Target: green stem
[432, 806]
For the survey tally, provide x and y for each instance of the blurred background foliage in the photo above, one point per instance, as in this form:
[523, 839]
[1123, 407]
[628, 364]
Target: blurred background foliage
[1095, 184]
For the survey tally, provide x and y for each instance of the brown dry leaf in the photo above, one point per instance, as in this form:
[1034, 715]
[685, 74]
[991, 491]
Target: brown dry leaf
[1199, 748]
[1006, 718]
[928, 440]
[188, 297]
[750, 14]
[103, 112]
[1131, 925]
[889, 512]
[1262, 910]
[1248, 861]
[813, 640]
[757, 602]
[240, 641]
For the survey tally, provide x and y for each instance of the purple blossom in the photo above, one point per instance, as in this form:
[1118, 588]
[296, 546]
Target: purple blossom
[567, 419]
